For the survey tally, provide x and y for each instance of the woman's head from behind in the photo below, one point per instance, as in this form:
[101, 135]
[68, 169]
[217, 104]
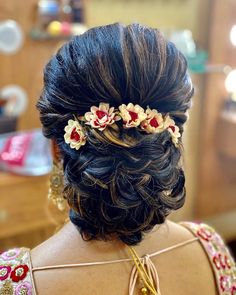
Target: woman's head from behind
[122, 182]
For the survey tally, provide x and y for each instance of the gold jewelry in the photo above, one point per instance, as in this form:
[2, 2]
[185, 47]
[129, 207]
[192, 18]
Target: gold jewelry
[56, 186]
[145, 278]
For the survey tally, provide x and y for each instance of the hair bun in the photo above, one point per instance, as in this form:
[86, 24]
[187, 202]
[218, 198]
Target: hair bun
[121, 182]
[125, 190]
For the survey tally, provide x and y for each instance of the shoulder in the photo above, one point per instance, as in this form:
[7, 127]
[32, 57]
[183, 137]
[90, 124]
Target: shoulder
[219, 256]
[210, 239]
[15, 272]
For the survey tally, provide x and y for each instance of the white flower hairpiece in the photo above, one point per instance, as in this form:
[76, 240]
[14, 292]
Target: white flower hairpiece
[101, 116]
[132, 115]
[170, 125]
[154, 122]
[74, 134]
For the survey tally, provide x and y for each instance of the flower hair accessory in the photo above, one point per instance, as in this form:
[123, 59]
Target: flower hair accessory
[133, 116]
[154, 122]
[101, 116]
[74, 134]
[170, 125]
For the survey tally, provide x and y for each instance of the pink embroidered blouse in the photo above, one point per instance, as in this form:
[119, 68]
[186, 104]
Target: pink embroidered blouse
[16, 272]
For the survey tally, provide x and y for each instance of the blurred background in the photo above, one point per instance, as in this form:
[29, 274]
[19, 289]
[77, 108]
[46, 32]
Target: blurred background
[32, 30]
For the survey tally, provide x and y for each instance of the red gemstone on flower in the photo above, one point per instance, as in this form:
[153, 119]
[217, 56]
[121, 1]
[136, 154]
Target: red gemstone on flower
[172, 128]
[75, 135]
[153, 122]
[133, 115]
[19, 273]
[4, 272]
[100, 114]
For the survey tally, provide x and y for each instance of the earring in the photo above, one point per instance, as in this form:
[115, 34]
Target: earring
[56, 186]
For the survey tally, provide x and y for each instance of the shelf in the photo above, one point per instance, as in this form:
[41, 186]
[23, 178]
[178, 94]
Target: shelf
[36, 34]
[76, 28]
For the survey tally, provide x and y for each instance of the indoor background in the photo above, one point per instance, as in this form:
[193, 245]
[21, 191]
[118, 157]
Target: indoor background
[203, 29]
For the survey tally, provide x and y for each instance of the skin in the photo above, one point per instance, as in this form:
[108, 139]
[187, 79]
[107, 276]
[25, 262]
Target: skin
[182, 271]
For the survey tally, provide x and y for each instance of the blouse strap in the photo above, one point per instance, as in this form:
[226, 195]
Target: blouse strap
[73, 265]
[146, 270]
[31, 273]
[221, 260]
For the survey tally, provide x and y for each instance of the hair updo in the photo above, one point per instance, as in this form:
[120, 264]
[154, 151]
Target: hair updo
[122, 182]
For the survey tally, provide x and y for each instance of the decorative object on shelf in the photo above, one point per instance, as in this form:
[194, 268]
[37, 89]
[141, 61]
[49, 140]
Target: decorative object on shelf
[13, 102]
[197, 58]
[78, 29]
[48, 11]
[183, 40]
[59, 20]
[54, 28]
[21, 153]
[77, 11]
[66, 28]
[198, 63]
[11, 37]
[66, 11]
[58, 31]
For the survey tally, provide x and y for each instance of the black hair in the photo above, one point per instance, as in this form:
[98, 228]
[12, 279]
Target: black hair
[115, 190]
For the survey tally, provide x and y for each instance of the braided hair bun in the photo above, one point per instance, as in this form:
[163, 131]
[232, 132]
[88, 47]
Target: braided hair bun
[122, 182]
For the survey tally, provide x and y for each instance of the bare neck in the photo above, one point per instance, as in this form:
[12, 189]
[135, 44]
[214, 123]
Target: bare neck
[67, 246]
